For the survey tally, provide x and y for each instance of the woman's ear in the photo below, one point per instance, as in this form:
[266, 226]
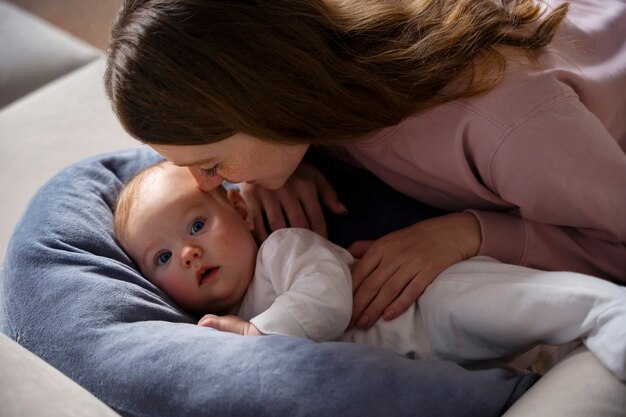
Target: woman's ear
[240, 206]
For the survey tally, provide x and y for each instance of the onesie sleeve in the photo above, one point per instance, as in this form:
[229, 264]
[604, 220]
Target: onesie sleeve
[567, 177]
[314, 285]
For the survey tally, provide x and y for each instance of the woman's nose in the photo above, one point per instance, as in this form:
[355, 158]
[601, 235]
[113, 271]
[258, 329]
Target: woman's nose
[205, 182]
[189, 253]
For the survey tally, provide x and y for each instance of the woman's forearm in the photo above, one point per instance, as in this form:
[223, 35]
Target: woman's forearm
[512, 239]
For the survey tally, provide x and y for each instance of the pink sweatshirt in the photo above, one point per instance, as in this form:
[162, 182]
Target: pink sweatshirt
[537, 159]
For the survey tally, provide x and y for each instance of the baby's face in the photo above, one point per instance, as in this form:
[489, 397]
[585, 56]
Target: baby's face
[196, 246]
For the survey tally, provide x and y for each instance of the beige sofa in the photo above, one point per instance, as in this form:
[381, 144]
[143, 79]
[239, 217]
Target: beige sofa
[53, 111]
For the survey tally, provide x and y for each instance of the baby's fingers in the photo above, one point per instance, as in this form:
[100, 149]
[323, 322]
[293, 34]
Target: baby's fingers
[229, 323]
[209, 320]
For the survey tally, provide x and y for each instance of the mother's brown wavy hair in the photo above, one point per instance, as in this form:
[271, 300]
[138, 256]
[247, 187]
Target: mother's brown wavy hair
[188, 72]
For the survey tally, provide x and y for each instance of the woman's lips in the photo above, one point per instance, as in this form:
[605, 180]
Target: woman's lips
[206, 274]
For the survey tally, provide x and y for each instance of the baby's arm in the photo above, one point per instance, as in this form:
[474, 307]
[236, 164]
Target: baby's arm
[231, 324]
[311, 282]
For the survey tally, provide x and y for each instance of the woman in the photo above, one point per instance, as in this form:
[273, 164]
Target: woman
[506, 115]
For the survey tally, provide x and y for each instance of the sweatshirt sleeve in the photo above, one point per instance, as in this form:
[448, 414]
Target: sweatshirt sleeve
[567, 177]
[312, 279]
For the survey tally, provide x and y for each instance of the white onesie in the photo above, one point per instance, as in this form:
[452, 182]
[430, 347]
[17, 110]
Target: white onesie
[474, 310]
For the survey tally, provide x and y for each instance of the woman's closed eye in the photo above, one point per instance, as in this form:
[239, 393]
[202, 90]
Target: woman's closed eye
[196, 226]
[209, 172]
[162, 258]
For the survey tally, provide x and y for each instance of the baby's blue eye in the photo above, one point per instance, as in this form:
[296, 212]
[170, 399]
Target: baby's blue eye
[163, 257]
[197, 226]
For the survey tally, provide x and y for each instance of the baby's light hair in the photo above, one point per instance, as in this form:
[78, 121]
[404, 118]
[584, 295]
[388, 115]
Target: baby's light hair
[127, 198]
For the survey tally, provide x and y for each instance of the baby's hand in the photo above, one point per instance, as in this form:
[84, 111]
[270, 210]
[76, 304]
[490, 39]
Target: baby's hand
[231, 324]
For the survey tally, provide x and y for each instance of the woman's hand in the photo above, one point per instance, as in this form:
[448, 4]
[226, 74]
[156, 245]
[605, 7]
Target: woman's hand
[395, 269]
[231, 324]
[297, 203]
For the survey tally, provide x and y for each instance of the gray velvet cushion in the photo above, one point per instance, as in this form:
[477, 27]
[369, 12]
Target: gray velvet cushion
[69, 294]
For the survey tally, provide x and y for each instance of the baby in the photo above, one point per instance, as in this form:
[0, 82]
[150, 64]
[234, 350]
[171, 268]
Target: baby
[198, 247]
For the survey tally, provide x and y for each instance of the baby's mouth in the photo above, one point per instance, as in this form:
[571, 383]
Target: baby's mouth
[206, 274]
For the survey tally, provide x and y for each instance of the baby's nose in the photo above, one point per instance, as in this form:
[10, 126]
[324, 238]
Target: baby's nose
[190, 253]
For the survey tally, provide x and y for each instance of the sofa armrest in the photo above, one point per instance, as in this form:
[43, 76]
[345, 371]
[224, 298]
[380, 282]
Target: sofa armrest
[36, 52]
[89, 20]
[65, 121]
[31, 387]
[576, 386]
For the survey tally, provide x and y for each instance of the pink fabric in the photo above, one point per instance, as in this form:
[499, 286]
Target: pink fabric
[537, 159]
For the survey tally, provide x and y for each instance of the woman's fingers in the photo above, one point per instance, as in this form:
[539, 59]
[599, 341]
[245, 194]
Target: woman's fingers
[310, 185]
[409, 294]
[392, 286]
[260, 232]
[292, 207]
[261, 201]
[367, 263]
[314, 213]
[370, 275]
[296, 204]
[398, 267]
[249, 194]
[359, 248]
[328, 195]
[273, 209]
[391, 281]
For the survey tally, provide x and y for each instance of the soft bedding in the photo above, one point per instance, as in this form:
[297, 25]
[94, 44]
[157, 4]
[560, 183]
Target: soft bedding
[72, 296]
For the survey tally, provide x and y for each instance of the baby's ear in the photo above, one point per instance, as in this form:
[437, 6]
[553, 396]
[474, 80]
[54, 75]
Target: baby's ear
[240, 206]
